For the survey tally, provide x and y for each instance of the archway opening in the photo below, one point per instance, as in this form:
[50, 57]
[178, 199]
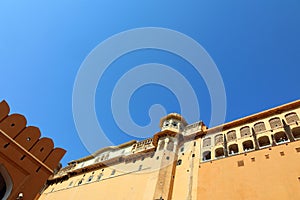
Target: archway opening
[162, 145]
[170, 146]
[280, 137]
[206, 155]
[296, 132]
[233, 149]
[219, 152]
[5, 183]
[264, 141]
[2, 187]
[248, 145]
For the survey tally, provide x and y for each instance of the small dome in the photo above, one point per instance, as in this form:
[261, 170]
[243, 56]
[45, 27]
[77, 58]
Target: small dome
[172, 116]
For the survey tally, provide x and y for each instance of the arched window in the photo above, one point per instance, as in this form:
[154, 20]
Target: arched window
[231, 135]
[2, 187]
[263, 141]
[280, 137]
[291, 118]
[174, 124]
[113, 172]
[102, 157]
[245, 131]
[259, 127]
[99, 176]
[162, 145]
[80, 181]
[90, 179]
[275, 123]
[166, 123]
[233, 149]
[218, 139]
[182, 149]
[219, 152]
[70, 184]
[206, 155]
[97, 160]
[206, 142]
[248, 145]
[296, 132]
[170, 146]
[5, 183]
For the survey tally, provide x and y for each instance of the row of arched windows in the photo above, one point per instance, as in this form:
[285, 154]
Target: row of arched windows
[248, 145]
[232, 149]
[246, 131]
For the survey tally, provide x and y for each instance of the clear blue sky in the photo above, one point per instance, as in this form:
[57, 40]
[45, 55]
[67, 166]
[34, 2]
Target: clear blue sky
[255, 45]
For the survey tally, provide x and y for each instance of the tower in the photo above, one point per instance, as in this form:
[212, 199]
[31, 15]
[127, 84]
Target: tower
[167, 141]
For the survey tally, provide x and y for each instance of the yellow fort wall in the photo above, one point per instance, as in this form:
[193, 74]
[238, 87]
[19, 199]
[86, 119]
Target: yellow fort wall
[271, 173]
[132, 184]
[174, 164]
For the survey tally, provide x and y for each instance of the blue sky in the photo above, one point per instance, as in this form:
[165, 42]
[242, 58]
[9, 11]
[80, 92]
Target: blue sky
[255, 45]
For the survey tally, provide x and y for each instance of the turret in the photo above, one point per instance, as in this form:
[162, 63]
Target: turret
[173, 122]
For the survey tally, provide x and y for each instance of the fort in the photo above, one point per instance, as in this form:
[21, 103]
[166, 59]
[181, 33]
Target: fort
[255, 157]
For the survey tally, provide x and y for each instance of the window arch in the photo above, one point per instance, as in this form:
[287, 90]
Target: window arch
[233, 149]
[296, 132]
[162, 145]
[259, 127]
[264, 141]
[248, 145]
[218, 139]
[182, 149]
[97, 160]
[174, 124]
[231, 135]
[219, 152]
[280, 137]
[170, 146]
[206, 142]
[99, 176]
[291, 117]
[245, 131]
[113, 172]
[5, 183]
[102, 157]
[166, 123]
[275, 123]
[206, 155]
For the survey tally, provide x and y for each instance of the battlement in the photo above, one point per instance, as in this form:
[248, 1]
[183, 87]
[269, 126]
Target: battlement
[26, 158]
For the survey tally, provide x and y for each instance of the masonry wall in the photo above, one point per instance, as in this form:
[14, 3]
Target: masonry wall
[26, 159]
[134, 180]
[271, 173]
[186, 175]
[130, 186]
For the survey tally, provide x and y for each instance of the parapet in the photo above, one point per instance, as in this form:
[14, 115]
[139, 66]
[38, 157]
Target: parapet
[27, 160]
